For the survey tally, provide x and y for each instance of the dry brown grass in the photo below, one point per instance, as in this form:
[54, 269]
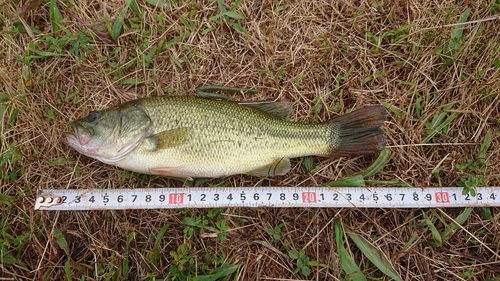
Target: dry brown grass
[297, 54]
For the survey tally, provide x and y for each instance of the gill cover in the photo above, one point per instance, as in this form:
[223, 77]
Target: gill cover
[109, 135]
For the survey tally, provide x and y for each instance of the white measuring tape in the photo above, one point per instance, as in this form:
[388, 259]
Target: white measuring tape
[215, 197]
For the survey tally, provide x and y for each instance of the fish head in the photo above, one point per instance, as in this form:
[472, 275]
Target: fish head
[111, 134]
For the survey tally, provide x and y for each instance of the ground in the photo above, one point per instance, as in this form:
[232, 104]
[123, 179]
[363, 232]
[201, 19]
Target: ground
[435, 66]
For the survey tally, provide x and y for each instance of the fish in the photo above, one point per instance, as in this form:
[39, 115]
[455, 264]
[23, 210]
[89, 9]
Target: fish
[197, 137]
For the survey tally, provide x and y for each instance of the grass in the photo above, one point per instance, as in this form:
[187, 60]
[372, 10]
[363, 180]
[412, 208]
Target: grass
[434, 65]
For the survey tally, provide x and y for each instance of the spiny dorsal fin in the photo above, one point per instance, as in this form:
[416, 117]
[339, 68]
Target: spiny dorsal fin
[279, 109]
[169, 138]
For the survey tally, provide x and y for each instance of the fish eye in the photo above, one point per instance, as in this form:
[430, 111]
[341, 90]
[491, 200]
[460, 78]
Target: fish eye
[93, 115]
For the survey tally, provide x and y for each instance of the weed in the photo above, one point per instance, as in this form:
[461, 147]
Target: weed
[277, 73]
[373, 77]
[350, 267]
[116, 29]
[468, 274]
[308, 163]
[12, 242]
[136, 179]
[390, 40]
[184, 262]
[186, 266]
[10, 156]
[438, 237]
[452, 49]
[360, 180]
[276, 232]
[373, 254]
[302, 261]
[55, 16]
[49, 114]
[439, 123]
[275, 11]
[155, 255]
[230, 17]
[317, 105]
[213, 217]
[298, 81]
[9, 163]
[48, 46]
[474, 170]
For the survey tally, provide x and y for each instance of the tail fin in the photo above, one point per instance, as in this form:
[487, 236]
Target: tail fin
[359, 133]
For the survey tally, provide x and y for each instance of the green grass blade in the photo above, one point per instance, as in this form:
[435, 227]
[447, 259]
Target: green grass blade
[218, 273]
[207, 91]
[116, 29]
[459, 29]
[234, 15]
[379, 164]
[45, 54]
[222, 8]
[486, 213]
[6, 157]
[135, 8]
[354, 181]
[6, 200]
[157, 3]
[351, 269]
[394, 109]
[155, 258]
[375, 256]
[111, 265]
[67, 269]
[388, 183]
[125, 262]
[191, 222]
[308, 163]
[440, 127]
[55, 16]
[132, 81]
[408, 244]
[436, 236]
[484, 148]
[61, 240]
[461, 218]
[372, 77]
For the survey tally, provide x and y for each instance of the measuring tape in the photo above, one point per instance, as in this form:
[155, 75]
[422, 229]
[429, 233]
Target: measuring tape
[216, 197]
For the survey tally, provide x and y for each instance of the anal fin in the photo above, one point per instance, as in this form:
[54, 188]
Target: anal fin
[174, 172]
[277, 168]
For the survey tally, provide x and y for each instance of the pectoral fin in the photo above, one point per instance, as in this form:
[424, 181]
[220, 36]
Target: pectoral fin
[169, 138]
[277, 168]
[175, 172]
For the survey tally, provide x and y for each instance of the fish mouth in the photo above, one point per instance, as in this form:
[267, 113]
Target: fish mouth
[74, 137]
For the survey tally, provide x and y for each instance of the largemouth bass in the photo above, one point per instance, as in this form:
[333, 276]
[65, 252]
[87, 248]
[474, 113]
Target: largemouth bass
[192, 137]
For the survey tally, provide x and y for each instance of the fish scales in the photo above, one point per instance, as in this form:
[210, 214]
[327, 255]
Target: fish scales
[190, 137]
[240, 138]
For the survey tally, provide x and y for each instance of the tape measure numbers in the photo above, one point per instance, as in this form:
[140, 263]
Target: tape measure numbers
[214, 197]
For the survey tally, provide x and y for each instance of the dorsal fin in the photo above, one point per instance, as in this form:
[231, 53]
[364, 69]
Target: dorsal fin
[278, 109]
